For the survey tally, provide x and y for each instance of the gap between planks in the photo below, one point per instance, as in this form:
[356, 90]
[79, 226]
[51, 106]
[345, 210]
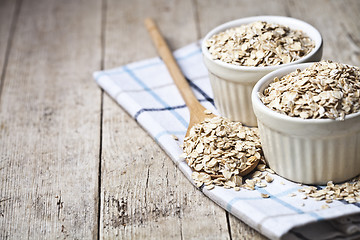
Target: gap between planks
[102, 64]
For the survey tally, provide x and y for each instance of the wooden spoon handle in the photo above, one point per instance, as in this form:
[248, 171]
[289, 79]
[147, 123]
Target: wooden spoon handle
[170, 62]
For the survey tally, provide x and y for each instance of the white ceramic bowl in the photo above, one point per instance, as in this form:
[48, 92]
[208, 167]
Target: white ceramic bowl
[311, 151]
[232, 85]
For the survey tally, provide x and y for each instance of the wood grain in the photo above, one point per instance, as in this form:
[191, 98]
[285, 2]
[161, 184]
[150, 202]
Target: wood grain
[349, 11]
[8, 18]
[211, 13]
[337, 26]
[50, 123]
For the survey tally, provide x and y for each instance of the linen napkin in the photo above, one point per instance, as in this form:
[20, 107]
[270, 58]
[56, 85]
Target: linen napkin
[146, 91]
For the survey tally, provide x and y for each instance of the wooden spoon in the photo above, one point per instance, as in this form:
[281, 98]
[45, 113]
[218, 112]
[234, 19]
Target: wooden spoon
[197, 114]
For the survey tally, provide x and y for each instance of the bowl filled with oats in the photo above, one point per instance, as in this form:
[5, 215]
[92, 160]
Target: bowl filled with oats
[309, 121]
[238, 53]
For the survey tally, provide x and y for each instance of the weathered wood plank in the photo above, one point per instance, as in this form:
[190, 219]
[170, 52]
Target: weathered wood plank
[50, 123]
[144, 195]
[328, 23]
[212, 14]
[337, 25]
[349, 13]
[7, 18]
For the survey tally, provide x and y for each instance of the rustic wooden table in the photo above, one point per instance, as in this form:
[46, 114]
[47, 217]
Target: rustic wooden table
[73, 164]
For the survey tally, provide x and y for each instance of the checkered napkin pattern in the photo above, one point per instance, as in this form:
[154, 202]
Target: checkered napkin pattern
[146, 91]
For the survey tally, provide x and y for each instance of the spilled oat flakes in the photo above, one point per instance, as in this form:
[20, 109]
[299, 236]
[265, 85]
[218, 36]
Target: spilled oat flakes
[348, 191]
